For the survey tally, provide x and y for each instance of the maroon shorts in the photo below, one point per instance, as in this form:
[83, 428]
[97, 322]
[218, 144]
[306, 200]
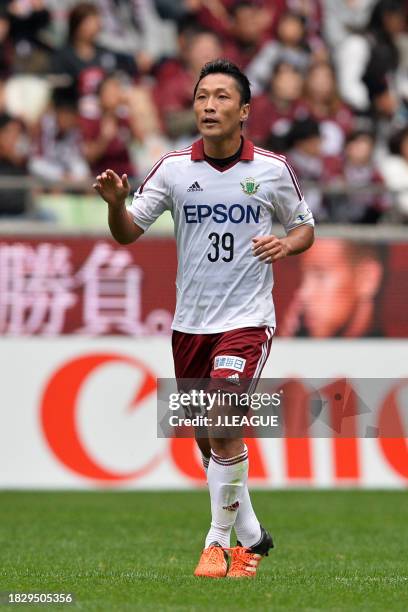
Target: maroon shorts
[239, 353]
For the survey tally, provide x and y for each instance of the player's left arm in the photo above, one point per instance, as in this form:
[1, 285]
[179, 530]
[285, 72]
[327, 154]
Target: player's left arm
[271, 248]
[294, 214]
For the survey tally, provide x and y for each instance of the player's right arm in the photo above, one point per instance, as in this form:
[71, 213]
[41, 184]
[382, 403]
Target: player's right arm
[114, 190]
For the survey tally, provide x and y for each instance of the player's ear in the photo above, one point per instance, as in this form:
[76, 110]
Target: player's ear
[244, 112]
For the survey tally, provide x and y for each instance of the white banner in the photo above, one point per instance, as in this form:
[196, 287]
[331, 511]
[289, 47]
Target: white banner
[81, 413]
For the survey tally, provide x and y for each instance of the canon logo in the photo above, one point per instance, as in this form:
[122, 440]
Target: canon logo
[58, 414]
[59, 421]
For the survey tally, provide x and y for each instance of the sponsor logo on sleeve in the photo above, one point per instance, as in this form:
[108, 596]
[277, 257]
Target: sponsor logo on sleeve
[304, 216]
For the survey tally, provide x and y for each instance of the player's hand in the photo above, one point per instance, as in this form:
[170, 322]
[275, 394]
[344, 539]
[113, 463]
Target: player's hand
[269, 248]
[112, 188]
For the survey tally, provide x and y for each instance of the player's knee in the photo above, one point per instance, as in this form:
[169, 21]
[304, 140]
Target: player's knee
[224, 447]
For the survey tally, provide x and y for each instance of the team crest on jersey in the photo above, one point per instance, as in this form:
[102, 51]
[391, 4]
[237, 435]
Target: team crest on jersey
[250, 186]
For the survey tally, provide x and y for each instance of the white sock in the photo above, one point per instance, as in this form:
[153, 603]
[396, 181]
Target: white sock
[247, 526]
[226, 481]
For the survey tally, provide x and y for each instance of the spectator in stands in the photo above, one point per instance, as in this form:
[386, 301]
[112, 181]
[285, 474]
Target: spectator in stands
[357, 204]
[176, 78]
[311, 12]
[215, 14]
[395, 170]
[15, 198]
[278, 42]
[388, 22]
[84, 63]
[365, 39]
[108, 130]
[58, 151]
[290, 47]
[311, 165]
[342, 18]
[247, 33]
[273, 112]
[28, 19]
[134, 28]
[325, 106]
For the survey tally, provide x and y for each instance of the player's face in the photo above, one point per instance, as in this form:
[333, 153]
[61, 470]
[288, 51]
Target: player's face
[329, 291]
[218, 108]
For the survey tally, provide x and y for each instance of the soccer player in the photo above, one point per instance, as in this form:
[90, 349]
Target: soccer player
[222, 193]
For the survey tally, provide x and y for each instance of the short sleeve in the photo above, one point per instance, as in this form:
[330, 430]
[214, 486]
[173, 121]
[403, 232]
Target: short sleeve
[151, 199]
[290, 206]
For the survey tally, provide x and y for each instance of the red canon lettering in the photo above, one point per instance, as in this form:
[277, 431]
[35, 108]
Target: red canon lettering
[393, 438]
[58, 415]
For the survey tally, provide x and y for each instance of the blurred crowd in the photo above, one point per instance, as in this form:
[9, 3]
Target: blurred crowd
[86, 86]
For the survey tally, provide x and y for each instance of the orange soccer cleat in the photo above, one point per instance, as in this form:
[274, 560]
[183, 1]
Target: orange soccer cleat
[213, 562]
[245, 561]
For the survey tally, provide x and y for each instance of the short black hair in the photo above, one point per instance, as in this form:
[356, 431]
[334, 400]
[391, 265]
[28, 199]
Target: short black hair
[359, 133]
[239, 4]
[224, 66]
[65, 97]
[302, 129]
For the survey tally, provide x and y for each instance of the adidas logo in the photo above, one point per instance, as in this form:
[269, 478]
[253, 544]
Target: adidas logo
[234, 378]
[195, 187]
[232, 507]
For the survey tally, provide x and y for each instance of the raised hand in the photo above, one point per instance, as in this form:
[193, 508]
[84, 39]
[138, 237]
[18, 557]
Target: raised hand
[112, 188]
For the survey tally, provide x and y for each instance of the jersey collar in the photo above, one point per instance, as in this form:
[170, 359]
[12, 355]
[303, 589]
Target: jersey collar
[197, 150]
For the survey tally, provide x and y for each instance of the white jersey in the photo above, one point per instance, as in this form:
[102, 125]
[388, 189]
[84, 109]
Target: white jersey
[220, 284]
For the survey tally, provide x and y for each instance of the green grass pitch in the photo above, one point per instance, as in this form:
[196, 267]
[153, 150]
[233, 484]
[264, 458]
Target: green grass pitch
[335, 550]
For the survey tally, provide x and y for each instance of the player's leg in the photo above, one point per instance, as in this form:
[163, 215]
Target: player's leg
[247, 350]
[226, 476]
[192, 361]
[227, 479]
[247, 526]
